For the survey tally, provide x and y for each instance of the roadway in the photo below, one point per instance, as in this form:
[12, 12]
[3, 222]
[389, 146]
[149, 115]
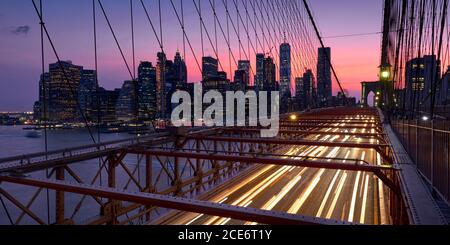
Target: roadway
[356, 197]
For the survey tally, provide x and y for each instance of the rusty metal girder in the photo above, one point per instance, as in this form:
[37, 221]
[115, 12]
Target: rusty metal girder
[383, 149]
[329, 125]
[303, 127]
[325, 115]
[178, 203]
[288, 142]
[379, 171]
[327, 120]
[306, 132]
[44, 160]
[274, 160]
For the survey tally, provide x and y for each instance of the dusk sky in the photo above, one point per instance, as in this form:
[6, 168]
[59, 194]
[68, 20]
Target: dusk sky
[70, 25]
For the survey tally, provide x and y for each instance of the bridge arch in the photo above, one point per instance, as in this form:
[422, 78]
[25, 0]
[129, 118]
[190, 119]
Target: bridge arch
[367, 88]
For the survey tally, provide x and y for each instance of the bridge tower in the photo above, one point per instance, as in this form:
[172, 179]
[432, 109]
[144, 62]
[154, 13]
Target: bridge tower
[384, 88]
[385, 73]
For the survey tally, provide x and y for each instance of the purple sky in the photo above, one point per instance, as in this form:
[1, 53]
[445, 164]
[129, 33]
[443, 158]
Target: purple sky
[70, 25]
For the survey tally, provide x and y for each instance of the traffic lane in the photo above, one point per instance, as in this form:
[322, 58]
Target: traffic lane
[312, 191]
[263, 197]
[236, 197]
[235, 194]
[347, 195]
[327, 175]
[269, 192]
[260, 197]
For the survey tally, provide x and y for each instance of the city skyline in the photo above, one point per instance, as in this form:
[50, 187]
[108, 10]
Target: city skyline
[112, 72]
[70, 93]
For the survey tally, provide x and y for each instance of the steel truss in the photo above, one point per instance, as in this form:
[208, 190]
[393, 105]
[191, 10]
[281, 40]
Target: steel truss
[136, 181]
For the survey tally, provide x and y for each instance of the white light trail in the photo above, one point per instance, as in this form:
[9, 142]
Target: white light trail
[336, 196]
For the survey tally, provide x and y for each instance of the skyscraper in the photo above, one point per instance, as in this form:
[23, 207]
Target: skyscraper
[107, 102]
[244, 65]
[44, 96]
[324, 83]
[308, 89]
[269, 76]
[147, 91]
[161, 84]
[86, 93]
[240, 80]
[443, 96]
[180, 71]
[126, 103]
[209, 67]
[299, 93]
[64, 81]
[420, 75]
[220, 83]
[285, 69]
[298, 87]
[259, 76]
[172, 81]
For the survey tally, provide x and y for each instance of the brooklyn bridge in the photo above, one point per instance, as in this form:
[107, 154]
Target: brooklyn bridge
[331, 163]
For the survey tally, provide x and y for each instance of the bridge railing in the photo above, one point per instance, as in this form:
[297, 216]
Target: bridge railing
[23, 160]
[428, 144]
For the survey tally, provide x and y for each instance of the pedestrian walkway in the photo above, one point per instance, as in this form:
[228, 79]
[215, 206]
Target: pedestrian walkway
[422, 206]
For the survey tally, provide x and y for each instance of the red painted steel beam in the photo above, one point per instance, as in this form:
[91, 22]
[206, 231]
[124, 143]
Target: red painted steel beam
[309, 132]
[334, 120]
[264, 160]
[335, 111]
[329, 126]
[341, 114]
[377, 170]
[178, 203]
[276, 141]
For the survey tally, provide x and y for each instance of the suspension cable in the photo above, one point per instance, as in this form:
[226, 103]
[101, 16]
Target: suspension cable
[323, 46]
[72, 91]
[44, 94]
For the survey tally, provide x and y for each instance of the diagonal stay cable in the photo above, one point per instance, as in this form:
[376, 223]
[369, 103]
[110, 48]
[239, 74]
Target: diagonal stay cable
[115, 39]
[185, 35]
[323, 46]
[207, 34]
[66, 77]
[152, 26]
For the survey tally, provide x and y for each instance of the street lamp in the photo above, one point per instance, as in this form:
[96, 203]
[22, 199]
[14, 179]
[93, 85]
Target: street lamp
[293, 117]
[385, 74]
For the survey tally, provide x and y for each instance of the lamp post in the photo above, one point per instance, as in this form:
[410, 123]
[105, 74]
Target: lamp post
[387, 85]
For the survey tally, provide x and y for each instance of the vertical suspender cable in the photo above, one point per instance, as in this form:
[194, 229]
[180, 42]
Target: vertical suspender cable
[135, 82]
[132, 39]
[248, 41]
[136, 88]
[184, 38]
[185, 35]
[215, 28]
[239, 32]
[97, 90]
[163, 66]
[441, 35]
[228, 37]
[65, 76]
[160, 24]
[44, 94]
[201, 29]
